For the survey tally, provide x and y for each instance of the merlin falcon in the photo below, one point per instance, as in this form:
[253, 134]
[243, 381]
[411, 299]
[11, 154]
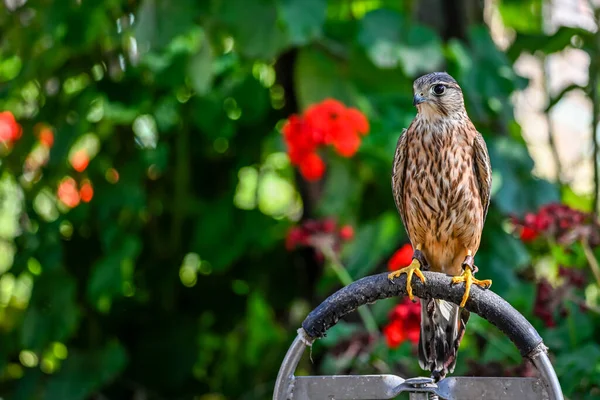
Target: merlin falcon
[441, 182]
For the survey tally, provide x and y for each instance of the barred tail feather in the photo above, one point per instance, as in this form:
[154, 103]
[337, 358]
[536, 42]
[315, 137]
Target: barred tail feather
[442, 328]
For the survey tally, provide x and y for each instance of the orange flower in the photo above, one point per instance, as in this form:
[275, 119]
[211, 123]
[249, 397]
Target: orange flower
[401, 258]
[86, 192]
[10, 130]
[67, 192]
[46, 137]
[80, 160]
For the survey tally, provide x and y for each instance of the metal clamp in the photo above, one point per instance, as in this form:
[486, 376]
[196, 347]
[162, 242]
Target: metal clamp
[419, 388]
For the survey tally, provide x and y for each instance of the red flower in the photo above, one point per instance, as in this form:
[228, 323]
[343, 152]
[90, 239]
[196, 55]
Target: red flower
[10, 130]
[312, 167]
[67, 192]
[299, 138]
[346, 143]
[347, 232]
[528, 234]
[401, 258]
[325, 117]
[405, 324]
[80, 160]
[394, 333]
[328, 225]
[86, 192]
[358, 120]
[296, 237]
[316, 233]
[325, 123]
[560, 222]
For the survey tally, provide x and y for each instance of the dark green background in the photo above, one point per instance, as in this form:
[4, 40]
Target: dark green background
[174, 283]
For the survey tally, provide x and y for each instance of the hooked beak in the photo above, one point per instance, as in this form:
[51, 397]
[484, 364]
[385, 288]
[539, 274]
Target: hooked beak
[418, 99]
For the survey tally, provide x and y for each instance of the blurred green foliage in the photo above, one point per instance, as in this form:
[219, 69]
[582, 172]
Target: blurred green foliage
[174, 281]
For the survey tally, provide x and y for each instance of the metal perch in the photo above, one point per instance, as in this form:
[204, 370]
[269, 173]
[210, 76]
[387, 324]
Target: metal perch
[485, 303]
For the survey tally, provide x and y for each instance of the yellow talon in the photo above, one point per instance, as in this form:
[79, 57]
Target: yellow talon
[468, 278]
[413, 268]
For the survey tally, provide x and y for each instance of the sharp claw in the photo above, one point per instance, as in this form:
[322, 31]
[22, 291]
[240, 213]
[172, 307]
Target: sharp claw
[468, 279]
[412, 269]
[420, 275]
[466, 295]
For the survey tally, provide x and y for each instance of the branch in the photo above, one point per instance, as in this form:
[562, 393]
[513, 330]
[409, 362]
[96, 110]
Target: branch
[593, 88]
[591, 259]
[551, 141]
[559, 96]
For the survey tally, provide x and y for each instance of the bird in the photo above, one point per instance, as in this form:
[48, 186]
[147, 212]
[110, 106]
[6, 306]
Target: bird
[441, 183]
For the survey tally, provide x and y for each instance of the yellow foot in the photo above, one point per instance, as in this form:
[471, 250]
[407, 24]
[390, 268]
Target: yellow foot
[413, 268]
[468, 278]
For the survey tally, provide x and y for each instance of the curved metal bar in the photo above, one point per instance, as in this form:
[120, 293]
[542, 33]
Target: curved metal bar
[540, 359]
[285, 377]
[485, 303]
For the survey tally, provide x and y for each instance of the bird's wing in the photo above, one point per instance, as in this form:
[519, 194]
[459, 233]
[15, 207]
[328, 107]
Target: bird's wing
[483, 171]
[398, 175]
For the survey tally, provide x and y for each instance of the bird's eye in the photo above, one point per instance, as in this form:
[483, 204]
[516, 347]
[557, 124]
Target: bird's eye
[439, 90]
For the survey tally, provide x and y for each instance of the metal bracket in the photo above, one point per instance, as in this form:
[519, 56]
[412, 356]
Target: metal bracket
[364, 387]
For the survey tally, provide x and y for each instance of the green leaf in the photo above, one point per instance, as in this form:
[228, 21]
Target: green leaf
[254, 27]
[522, 15]
[160, 21]
[579, 364]
[374, 241]
[500, 256]
[519, 191]
[53, 314]
[263, 331]
[303, 19]
[111, 272]
[340, 178]
[83, 372]
[380, 32]
[390, 41]
[318, 76]
[200, 69]
[533, 42]
[420, 51]
[341, 331]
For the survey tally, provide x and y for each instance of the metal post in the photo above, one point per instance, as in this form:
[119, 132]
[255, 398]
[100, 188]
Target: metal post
[539, 357]
[418, 396]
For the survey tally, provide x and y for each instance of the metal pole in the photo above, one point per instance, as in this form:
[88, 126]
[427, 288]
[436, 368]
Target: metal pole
[540, 359]
[285, 377]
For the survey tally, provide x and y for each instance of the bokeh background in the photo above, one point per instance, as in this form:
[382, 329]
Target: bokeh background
[162, 238]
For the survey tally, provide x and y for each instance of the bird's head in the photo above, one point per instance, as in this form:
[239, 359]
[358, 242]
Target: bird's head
[437, 95]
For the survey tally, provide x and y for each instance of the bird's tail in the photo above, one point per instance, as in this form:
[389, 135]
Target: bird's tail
[442, 328]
